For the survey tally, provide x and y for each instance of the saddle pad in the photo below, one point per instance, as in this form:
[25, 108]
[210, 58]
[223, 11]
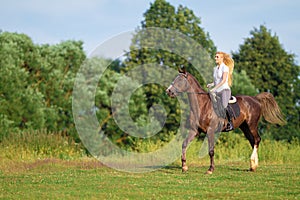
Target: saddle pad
[232, 99]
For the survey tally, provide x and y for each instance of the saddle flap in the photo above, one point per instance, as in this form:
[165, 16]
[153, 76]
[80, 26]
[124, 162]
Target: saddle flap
[234, 108]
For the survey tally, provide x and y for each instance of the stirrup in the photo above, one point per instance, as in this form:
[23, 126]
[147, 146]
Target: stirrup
[229, 126]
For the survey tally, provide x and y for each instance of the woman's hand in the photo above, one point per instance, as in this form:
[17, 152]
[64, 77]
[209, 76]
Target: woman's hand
[213, 90]
[210, 85]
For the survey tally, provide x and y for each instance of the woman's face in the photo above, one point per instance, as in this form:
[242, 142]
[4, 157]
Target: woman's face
[219, 59]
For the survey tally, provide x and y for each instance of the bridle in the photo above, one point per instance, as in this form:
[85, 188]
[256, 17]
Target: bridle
[187, 85]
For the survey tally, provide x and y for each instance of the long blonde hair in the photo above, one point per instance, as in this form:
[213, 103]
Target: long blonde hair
[228, 61]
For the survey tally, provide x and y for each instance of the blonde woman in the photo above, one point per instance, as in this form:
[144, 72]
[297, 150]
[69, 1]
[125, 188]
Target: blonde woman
[222, 82]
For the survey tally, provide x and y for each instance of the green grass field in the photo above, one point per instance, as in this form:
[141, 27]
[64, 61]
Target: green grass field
[57, 179]
[44, 166]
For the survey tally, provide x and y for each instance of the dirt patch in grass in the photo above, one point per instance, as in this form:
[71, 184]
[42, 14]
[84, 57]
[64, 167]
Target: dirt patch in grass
[12, 166]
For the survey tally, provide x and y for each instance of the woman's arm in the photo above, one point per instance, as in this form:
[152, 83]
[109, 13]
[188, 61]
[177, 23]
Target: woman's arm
[224, 77]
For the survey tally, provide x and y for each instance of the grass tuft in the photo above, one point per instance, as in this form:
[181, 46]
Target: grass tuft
[34, 145]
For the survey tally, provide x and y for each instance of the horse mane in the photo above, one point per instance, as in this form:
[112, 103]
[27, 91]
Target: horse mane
[195, 80]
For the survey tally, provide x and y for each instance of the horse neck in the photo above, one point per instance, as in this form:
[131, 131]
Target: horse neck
[195, 86]
[195, 92]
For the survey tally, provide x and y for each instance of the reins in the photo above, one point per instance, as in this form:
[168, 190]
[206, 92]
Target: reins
[197, 92]
[179, 92]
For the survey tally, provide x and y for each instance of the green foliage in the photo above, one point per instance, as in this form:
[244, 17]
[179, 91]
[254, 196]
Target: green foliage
[21, 105]
[137, 105]
[271, 69]
[242, 84]
[6, 126]
[162, 14]
[106, 86]
[55, 79]
[37, 83]
[37, 80]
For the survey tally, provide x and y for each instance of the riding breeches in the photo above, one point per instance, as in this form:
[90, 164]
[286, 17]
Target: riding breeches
[224, 96]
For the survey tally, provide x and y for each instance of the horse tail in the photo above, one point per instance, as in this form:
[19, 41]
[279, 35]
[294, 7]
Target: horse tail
[270, 109]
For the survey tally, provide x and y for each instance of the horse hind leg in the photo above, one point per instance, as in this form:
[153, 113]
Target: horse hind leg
[254, 155]
[254, 139]
[254, 159]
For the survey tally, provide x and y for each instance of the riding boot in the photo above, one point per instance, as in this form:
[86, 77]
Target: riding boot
[229, 126]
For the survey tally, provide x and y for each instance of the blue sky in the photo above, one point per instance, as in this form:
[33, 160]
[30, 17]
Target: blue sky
[94, 21]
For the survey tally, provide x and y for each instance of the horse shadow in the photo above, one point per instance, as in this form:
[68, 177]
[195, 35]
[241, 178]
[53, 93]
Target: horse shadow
[239, 169]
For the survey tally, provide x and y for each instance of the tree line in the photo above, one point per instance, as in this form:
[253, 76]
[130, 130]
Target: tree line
[37, 80]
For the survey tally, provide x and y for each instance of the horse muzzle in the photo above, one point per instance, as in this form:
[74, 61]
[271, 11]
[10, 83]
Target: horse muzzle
[171, 92]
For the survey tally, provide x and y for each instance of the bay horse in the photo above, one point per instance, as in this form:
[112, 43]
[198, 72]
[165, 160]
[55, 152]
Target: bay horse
[202, 117]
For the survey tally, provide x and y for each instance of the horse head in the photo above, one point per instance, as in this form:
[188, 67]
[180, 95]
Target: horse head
[179, 85]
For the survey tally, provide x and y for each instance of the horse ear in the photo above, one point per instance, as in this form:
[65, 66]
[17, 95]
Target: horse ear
[182, 69]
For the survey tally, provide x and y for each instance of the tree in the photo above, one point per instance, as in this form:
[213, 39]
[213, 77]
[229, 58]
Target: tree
[21, 105]
[162, 14]
[271, 69]
[55, 79]
[37, 83]
[242, 84]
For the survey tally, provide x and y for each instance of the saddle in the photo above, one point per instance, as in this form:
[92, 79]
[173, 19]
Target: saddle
[233, 107]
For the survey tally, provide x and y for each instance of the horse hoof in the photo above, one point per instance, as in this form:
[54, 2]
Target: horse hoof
[184, 168]
[209, 172]
[252, 169]
[253, 166]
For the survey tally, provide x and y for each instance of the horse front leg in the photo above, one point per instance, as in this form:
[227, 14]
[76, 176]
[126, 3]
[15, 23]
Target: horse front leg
[185, 144]
[211, 146]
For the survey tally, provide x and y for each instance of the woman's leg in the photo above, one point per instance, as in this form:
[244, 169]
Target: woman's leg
[225, 96]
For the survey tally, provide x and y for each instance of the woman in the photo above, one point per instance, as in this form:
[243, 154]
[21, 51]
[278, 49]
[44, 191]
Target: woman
[222, 81]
